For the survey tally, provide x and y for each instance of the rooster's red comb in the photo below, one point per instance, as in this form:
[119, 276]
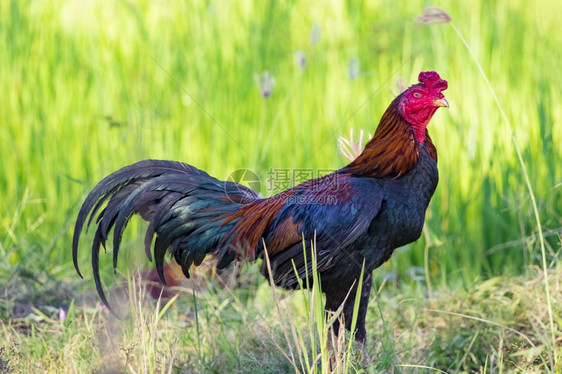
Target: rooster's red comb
[432, 80]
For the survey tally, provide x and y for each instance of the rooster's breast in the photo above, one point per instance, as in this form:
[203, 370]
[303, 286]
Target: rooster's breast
[402, 214]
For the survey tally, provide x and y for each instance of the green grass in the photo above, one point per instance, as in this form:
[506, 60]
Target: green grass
[499, 323]
[89, 87]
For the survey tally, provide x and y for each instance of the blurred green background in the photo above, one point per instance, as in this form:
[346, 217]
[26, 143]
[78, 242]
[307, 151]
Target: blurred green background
[88, 87]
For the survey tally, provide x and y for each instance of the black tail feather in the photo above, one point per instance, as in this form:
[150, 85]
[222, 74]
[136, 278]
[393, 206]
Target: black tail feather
[98, 240]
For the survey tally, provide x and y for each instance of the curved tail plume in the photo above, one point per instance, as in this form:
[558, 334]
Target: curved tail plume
[186, 209]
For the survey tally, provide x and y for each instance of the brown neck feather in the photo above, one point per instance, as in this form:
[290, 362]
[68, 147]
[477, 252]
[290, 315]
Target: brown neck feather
[393, 150]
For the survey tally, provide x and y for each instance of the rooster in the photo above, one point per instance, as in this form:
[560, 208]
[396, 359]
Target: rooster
[356, 216]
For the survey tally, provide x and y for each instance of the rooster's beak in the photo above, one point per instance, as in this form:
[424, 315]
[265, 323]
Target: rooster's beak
[441, 102]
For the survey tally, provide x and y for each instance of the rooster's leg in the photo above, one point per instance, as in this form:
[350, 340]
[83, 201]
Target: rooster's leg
[334, 301]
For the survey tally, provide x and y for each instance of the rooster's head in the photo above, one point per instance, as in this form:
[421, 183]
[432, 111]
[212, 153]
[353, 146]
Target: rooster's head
[419, 102]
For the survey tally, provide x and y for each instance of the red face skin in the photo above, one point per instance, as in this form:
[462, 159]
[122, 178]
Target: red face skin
[419, 102]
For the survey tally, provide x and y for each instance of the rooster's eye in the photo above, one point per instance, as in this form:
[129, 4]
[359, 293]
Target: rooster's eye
[417, 95]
